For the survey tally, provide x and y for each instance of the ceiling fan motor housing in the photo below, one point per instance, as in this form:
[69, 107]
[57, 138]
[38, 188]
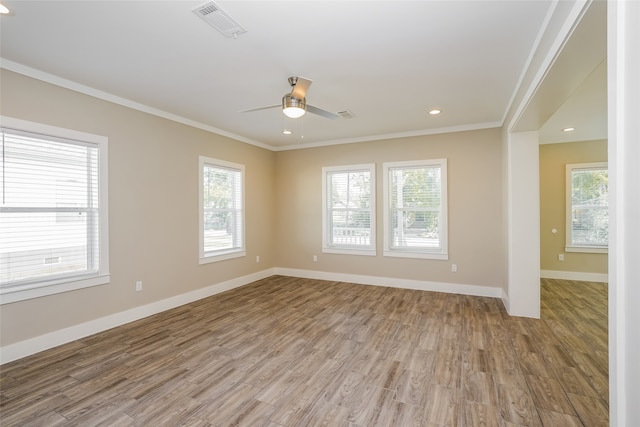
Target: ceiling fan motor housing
[292, 107]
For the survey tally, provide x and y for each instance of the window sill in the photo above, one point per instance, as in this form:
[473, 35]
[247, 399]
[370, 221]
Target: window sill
[420, 255]
[587, 249]
[206, 259]
[36, 290]
[364, 252]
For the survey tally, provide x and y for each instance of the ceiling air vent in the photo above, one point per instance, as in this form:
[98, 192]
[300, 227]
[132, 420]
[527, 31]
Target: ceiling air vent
[219, 19]
[346, 114]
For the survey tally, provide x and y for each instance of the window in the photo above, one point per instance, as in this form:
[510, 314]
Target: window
[587, 207]
[221, 210]
[348, 217]
[53, 215]
[415, 209]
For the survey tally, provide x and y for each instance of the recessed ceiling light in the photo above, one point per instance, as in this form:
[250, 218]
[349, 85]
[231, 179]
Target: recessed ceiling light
[434, 112]
[286, 132]
[3, 9]
[568, 129]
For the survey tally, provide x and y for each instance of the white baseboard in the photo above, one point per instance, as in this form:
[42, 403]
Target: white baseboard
[34, 345]
[574, 275]
[506, 302]
[420, 285]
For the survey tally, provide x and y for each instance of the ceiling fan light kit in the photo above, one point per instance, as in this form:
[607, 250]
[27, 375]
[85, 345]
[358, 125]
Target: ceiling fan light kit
[293, 108]
[294, 104]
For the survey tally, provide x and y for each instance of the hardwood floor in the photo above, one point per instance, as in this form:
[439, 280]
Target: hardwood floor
[297, 352]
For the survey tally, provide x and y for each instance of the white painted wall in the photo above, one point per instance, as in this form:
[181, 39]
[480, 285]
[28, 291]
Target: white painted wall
[523, 235]
[521, 161]
[624, 233]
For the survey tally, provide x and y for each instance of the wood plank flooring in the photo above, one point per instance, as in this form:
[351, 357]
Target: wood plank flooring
[297, 352]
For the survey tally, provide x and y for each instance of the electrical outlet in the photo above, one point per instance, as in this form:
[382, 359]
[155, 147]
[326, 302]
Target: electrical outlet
[560, 257]
[138, 285]
[454, 268]
[315, 258]
[257, 258]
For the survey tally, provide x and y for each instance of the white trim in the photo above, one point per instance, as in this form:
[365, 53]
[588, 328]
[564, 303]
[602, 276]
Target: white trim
[562, 35]
[506, 302]
[30, 346]
[354, 251]
[39, 289]
[225, 254]
[35, 127]
[570, 247]
[441, 253]
[623, 59]
[44, 287]
[208, 259]
[391, 282]
[398, 135]
[574, 275]
[34, 345]
[399, 253]
[532, 53]
[369, 250]
[587, 249]
[86, 90]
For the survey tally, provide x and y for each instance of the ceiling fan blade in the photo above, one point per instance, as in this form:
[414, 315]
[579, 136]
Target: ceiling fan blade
[260, 108]
[323, 113]
[300, 88]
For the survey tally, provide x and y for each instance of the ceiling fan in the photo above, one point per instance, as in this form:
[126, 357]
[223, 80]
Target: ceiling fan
[294, 104]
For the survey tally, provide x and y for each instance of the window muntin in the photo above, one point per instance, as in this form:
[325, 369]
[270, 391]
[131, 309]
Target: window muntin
[221, 210]
[415, 209]
[349, 209]
[53, 210]
[587, 207]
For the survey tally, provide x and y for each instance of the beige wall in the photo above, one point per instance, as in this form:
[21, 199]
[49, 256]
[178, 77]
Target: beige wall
[153, 211]
[553, 159]
[475, 197]
[153, 206]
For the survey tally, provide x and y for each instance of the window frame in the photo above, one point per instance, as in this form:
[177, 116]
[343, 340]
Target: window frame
[50, 285]
[569, 245]
[440, 253]
[206, 257]
[348, 249]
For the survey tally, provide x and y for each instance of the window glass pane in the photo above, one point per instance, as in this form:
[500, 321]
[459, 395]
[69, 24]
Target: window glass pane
[415, 187]
[589, 207]
[348, 210]
[415, 206]
[35, 245]
[49, 216]
[350, 189]
[415, 229]
[222, 204]
[415, 210]
[351, 228]
[48, 173]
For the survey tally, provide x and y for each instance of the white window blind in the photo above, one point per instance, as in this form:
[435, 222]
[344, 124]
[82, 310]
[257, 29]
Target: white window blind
[222, 214]
[50, 216]
[587, 207]
[348, 215]
[416, 209]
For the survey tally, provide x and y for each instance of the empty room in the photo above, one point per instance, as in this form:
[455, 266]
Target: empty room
[300, 213]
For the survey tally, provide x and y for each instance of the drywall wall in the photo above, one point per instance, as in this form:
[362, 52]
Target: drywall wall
[153, 207]
[553, 161]
[153, 212]
[475, 207]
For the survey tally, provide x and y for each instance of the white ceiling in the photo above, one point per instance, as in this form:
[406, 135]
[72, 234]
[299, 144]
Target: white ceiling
[387, 62]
